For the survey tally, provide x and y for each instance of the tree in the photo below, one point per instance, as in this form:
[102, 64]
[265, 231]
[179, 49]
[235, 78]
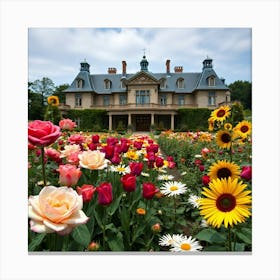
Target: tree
[59, 92]
[242, 91]
[35, 107]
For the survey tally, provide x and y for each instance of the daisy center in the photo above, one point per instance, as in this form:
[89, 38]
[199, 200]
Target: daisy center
[185, 246]
[226, 202]
[221, 113]
[225, 137]
[223, 173]
[244, 128]
[174, 188]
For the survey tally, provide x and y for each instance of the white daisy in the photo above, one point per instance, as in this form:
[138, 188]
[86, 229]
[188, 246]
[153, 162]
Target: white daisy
[145, 174]
[183, 173]
[121, 169]
[194, 200]
[168, 240]
[173, 188]
[165, 177]
[186, 244]
[204, 223]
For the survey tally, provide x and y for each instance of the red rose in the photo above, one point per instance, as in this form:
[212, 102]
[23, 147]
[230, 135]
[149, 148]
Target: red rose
[205, 180]
[246, 173]
[136, 168]
[95, 139]
[149, 190]
[159, 162]
[105, 193]
[86, 191]
[129, 182]
[42, 133]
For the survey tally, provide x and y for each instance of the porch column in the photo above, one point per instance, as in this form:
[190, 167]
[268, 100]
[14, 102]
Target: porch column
[152, 119]
[172, 122]
[129, 119]
[110, 122]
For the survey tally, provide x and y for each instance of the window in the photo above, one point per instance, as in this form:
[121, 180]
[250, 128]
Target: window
[78, 121]
[79, 83]
[180, 83]
[211, 81]
[106, 100]
[162, 83]
[211, 98]
[122, 99]
[78, 100]
[181, 100]
[142, 97]
[107, 84]
[122, 84]
[162, 99]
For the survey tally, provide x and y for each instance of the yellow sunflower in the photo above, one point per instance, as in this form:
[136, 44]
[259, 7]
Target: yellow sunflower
[53, 100]
[228, 126]
[223, 169]
[211, 122]
[226, 202]
[224, 139]
[243, 129]
[221, 113]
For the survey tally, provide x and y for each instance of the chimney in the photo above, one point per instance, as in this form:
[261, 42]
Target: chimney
[168, 66]
[112, 70]
[123, 68]
[178, 69]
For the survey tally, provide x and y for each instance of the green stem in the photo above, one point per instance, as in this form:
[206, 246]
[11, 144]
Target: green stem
[43, 165]
[174, 222]
[229, 239]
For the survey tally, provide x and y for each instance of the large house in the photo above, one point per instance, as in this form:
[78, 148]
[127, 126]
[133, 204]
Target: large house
[145, 99]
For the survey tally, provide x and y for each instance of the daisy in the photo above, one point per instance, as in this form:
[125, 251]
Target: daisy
[144, 174]
[186, 244]
[226, 202]
[194, 200]
[168, 240]
[173, 188]
[121, 169]
[165, 177]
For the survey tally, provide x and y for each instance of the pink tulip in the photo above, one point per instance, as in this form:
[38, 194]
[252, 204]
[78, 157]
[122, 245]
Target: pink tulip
[69, 175]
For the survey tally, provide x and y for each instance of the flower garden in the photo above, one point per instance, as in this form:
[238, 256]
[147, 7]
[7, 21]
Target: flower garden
[177, 192]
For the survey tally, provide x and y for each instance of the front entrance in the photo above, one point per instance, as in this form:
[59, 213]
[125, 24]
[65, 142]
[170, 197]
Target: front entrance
[142, 122]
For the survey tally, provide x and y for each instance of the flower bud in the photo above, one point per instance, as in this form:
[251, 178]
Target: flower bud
[93, 246]
[156, 228]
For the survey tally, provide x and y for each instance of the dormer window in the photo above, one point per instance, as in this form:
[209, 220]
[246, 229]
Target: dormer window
[162, 83]
[180, 83]
[79, 83]
[211, 81]
[107, 84]
[123, 84]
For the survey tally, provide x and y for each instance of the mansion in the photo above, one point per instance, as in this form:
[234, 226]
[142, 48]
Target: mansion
[144, 100]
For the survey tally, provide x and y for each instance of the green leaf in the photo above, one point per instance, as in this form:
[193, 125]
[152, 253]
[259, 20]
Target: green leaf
[245, 235]
[81, 235]
[211, 236]
[116, 242]
[36, 241]
[238, 246]
[214, 248]
[114, 206]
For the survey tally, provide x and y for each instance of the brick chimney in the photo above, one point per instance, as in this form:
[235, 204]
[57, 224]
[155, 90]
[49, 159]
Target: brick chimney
[168, 66]
[124, 68]
[178, 69]
[112, 70]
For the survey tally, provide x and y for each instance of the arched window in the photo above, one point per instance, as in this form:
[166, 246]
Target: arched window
[123, 84]
[211, 81]
[162, 83]
[180, 83]
[79, 83]
[107, 84]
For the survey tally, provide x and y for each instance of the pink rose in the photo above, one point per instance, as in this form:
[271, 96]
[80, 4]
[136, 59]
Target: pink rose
[86, 191]
[246, 173]
[76, 139]
[56, 210]
[69, 175]
[67, 124]
[42, 133]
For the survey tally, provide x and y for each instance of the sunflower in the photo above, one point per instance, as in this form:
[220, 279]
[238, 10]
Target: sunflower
[211, 122]
[223, 169]
[224, 139]
[53, 100]
[243, 129]
[226, 202]
[228, 126]
[221, 113]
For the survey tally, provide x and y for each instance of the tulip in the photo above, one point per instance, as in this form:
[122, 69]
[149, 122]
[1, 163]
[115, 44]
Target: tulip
[136, 168]
[105, 193]
[86, 191]
[246, 173]
[129, 182]
[205, 180]
[69, 175]
[149, 190]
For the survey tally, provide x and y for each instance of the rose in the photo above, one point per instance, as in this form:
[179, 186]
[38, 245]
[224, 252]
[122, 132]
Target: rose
[67, 124]
[95, 138]
[205, 180]
[69, 175]
[105, 193]
[159, 162]
[246, 173]
[56, 210]
[76, 139]
[129, 182]
[93, 160]
[70, 149]
[136, 168]
[149, 190]
[42, 133]
[86, 191]
[53, 154]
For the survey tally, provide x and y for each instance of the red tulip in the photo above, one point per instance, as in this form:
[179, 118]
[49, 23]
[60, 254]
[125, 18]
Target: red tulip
[136, 168]
[205, 180]
[105, 193]
[86, 191]
[149, 190]
[159, 162]
[246, 173]
[129, 182]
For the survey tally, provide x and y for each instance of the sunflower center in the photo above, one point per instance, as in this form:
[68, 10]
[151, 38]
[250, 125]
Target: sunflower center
[244, 128]
[221, 113]
[223, 173]
[225, 137]
[185, 246]
[174, 188]
[226, 202]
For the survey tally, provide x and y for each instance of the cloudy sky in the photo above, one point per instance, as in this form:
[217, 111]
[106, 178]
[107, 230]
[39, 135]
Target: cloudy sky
[56, 53]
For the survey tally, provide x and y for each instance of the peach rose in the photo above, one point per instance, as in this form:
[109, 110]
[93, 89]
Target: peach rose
[69, 174]
[67, 124]
[70, 149]
[56, 209]
[93, 160]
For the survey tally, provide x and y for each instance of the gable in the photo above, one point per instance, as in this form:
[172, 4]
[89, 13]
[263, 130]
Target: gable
[142, 78]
